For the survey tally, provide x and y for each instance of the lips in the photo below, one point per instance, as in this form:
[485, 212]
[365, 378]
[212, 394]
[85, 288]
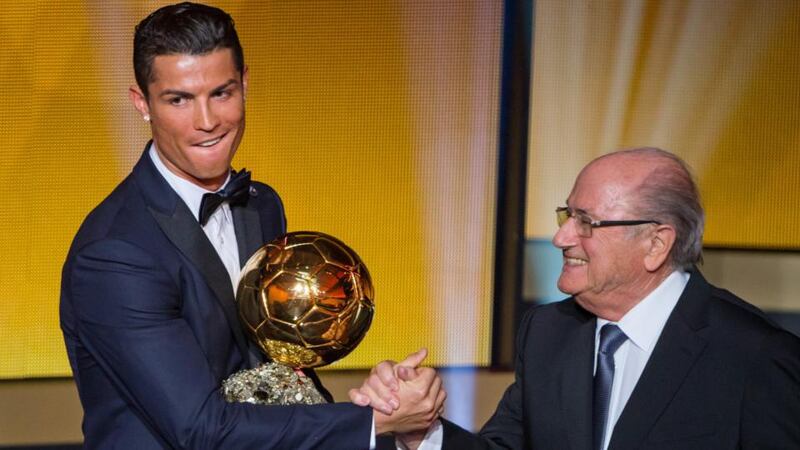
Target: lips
[210, 142]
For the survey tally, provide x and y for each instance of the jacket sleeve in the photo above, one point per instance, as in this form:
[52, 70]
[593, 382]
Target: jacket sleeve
[504, 430]
[128, 317]
[771, 400]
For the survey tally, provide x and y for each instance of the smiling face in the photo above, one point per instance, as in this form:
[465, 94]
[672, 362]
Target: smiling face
[606, 273]
[196, 112]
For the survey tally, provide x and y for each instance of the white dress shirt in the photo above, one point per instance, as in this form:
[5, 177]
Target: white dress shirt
[642, 325]
[219, 227]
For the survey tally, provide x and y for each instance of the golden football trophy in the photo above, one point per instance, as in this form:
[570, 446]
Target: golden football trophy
[306, 299]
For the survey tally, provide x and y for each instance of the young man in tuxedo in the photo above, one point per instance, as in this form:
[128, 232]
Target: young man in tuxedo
[147, 301]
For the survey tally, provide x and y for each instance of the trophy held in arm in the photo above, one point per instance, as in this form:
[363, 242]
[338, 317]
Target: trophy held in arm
[306, 299]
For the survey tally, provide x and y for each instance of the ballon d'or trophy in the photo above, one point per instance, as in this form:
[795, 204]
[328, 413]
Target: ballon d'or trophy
[306, 299]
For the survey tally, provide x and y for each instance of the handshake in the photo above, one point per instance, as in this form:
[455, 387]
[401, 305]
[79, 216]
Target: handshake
[407, 399]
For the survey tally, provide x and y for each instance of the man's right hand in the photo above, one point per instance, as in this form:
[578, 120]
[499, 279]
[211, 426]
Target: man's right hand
[405, 398]
[421, 399]
[379, 390]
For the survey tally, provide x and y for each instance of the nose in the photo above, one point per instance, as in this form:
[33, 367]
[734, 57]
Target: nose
[567, 235]
[205, 118]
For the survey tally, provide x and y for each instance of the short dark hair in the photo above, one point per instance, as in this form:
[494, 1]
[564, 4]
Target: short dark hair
[184, 28]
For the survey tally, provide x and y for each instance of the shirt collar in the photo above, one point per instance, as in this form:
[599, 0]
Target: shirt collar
[644, 322]
[190, 193]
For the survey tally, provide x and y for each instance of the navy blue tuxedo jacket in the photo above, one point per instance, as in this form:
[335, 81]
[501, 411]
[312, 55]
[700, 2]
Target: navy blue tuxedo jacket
[721, 376]
[151, 329]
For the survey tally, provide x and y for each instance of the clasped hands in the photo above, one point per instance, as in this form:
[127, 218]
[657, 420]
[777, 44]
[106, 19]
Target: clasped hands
[407, 399]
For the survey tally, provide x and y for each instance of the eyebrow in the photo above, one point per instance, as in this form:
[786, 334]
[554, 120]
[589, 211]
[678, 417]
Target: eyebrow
[578, 210]
[180, 93]
[225, 85]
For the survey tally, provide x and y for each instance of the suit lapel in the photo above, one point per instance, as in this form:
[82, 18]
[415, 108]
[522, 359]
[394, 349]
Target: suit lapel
[247, 226]
[576, 385]
[674, 355]
[182, 229]
[185, 233]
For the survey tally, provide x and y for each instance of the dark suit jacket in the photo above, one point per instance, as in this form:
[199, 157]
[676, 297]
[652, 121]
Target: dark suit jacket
[151, 329]
[721, 376]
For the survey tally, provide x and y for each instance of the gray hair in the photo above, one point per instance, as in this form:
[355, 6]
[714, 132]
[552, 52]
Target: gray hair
[670, 196]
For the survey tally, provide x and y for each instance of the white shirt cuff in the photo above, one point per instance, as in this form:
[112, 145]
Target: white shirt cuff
[372, 442]
[432, 440]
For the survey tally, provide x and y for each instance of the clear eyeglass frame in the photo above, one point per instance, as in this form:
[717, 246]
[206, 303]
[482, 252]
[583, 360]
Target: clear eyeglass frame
[585, 224]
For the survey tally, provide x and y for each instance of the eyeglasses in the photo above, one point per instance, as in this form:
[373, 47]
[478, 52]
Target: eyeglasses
[585, 224]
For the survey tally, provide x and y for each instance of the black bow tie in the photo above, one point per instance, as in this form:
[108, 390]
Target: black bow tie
[235, 192]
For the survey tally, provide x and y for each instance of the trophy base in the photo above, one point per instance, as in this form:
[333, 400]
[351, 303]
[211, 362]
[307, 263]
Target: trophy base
[271, 384]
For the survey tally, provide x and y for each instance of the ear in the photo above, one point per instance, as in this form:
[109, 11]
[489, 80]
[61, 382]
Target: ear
[660, 246]
[244, 83]
[139, 101]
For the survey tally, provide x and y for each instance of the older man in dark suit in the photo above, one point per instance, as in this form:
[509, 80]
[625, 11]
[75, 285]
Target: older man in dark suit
[645, 354]
[147, 305]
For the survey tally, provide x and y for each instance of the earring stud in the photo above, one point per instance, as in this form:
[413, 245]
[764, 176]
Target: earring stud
[146, 117]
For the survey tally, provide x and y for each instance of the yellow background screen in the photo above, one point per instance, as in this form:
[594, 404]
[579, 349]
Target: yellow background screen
[375, 121]
[715, 81]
